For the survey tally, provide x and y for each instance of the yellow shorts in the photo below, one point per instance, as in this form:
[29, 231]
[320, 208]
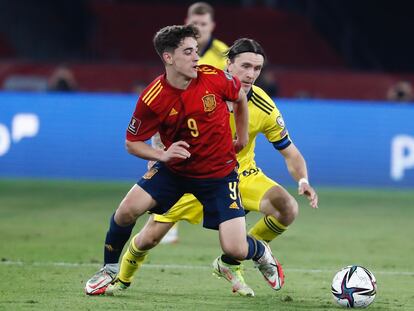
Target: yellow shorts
[253, 185]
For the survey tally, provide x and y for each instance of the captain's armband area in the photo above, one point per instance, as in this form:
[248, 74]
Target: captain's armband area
[283, 143]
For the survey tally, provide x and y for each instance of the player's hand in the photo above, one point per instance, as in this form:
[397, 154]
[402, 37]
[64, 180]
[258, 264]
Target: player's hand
[150, 164]
[177, 150]
[239, 144]
[310, 193]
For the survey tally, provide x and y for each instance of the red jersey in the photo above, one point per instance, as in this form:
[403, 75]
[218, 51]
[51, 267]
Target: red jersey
[197, 115]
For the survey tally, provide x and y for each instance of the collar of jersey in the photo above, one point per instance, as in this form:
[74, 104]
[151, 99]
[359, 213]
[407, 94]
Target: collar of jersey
[250, 93]
[167, 85]
[208, 46]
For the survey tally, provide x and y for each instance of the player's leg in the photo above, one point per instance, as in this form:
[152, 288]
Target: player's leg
[260, 193]
[158, 190]
[223, 211]
[258, 251]
[280, 210]
[186, 201]
[135, 203]
[232, 235]
[172, 236]
[135, 255]
[155, 229]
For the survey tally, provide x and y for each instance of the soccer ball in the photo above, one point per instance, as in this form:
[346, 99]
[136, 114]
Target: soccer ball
[354, 287]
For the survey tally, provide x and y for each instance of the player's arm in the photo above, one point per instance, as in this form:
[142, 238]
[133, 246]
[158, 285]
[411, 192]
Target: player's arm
[241, 117]
[297, 168]
[157, 144]
[141, 149]
[143, 125]
[156, 141]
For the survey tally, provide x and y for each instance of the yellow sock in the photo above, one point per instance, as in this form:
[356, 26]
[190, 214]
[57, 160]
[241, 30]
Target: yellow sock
[267, 229]
[131, 262]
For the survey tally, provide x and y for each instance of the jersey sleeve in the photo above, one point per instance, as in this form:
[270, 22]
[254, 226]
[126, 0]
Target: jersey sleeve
[232, 88]
[274, 126]
[144, 123]
[230, 85]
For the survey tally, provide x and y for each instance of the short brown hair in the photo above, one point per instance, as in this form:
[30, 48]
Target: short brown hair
[200, 8]
[169, 38]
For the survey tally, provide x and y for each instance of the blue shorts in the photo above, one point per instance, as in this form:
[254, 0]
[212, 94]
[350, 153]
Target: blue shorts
[219, 196]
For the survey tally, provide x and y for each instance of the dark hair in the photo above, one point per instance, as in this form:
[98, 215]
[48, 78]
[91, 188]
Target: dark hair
[244, 45]
[200, 8]
[169, 38]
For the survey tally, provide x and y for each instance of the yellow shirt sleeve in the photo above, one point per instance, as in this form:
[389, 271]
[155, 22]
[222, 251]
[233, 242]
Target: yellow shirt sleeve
[271, 120]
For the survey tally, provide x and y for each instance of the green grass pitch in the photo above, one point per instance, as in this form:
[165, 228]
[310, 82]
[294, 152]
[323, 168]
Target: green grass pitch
[52, 234]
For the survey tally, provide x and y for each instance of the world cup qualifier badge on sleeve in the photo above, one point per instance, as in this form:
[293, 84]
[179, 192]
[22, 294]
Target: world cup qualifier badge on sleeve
[134, 125]
[280, 121]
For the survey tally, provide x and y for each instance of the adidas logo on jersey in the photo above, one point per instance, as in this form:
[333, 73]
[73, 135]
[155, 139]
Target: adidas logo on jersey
[173, 112]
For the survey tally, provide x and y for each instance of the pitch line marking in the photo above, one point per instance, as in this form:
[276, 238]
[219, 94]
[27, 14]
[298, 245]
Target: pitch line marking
[185, 267]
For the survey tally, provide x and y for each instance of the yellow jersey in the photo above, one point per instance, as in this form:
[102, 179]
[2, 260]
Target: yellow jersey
[264, 117]
[214, 54]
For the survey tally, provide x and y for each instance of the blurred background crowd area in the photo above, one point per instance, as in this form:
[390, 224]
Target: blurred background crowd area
[342, 49]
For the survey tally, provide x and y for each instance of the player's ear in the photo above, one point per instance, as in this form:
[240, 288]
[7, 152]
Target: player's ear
[167, 57]
[228, 63]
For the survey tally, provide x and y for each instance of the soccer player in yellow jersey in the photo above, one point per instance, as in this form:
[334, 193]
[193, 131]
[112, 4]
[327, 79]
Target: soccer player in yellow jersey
[211, 50]
[259, 193]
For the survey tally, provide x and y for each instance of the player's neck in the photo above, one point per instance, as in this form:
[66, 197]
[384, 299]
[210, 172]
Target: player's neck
[202, 45]
[177, 80]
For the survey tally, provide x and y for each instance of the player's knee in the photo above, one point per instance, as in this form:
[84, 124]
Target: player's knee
[147, 242]
[293, 208]
[152, 240]
[146, 239]
[125, 214]
[288, 210]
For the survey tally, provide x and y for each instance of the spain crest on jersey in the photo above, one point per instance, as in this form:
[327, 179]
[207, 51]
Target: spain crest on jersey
[209, 102]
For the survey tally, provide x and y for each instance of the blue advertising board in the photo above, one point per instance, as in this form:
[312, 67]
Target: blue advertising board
[81, 136]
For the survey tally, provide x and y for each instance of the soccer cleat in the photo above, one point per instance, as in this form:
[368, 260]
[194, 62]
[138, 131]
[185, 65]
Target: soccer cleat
[233, 274]
[98, 283]
[270, 268]
[116, 287]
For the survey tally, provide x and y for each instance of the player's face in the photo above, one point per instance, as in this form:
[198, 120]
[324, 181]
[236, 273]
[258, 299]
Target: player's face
[247, 67]
[185, 58]
[204, 24]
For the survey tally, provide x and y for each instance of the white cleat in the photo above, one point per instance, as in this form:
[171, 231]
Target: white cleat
[98, 283]
[270, 268]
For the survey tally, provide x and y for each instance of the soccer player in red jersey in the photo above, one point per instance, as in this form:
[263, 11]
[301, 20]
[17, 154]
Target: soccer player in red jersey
[187, 106]
[212, 52]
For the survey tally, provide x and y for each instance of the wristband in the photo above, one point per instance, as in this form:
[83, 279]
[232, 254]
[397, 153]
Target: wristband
[303, 181]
